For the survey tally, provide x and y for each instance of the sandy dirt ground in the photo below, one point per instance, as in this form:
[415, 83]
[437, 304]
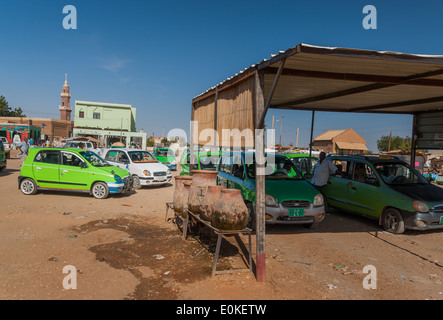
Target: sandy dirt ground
[124, 248]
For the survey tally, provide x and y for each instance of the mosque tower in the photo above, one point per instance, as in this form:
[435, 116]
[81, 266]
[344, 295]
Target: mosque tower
[65, 108]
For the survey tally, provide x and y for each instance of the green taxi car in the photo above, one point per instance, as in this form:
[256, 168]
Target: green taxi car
[166, 156]
[71, 170]
[385, 189]
[2, 156]
[301, 161]
[205, 160]
[289, 199]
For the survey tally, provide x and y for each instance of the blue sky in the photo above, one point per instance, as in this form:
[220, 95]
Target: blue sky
[157, 56]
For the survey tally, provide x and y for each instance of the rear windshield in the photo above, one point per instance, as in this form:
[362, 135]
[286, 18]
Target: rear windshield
[141, 157]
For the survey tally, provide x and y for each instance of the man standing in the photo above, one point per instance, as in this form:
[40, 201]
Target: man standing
[321, 172]
[24, 147]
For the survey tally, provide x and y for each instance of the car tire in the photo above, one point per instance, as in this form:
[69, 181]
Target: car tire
[28, 186]
[136, 184]
[251, 221]
[393, 221]
[100, 190]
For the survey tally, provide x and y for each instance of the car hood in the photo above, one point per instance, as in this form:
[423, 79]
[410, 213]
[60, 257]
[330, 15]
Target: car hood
[151, 166]
[284, 190]
[163, 158]
[118, 171]
[423, 192]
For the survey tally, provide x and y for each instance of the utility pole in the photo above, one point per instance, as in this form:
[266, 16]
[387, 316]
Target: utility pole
[281, 127]
[390, 137]
[296, 141]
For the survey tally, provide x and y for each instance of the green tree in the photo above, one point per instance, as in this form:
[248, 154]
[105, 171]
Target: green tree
[396, 143]
[5, 110]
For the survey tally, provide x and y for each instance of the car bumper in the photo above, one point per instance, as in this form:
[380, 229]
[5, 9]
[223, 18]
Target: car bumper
[116, 187]
[150, 181]
[280, 215]
[423, 221]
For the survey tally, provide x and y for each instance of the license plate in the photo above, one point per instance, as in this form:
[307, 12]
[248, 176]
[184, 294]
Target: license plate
[441, 219]
[159, 179]
[296, 212]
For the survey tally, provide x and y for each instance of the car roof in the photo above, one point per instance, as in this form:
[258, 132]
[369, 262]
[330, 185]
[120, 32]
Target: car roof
[370, 158]
[126, 149]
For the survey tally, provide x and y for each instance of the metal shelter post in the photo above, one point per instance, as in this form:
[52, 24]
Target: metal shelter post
[310, 142]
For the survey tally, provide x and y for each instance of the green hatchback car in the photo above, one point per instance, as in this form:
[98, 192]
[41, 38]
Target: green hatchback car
[166, 156]
[2, 156]
[290, 199]
[71, 170]
[205, 160]
[386, 189]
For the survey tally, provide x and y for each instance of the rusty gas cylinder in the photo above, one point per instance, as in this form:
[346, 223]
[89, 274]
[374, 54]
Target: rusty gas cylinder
[229, 212]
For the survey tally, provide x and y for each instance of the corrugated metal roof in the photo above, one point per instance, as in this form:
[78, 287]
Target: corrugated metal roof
[348, 80]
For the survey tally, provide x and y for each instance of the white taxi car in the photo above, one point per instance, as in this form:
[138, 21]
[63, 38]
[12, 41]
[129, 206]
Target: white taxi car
[141, 164]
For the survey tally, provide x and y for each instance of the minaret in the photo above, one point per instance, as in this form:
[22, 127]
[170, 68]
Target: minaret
[65, 108]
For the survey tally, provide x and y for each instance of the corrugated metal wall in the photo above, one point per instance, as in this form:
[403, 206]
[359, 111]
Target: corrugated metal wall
[430, 130]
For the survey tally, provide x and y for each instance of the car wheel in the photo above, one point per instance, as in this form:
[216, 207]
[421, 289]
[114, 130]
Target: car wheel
[28, 186]
[136, 184]
[393, 221]
[100, 190]
[251, 221]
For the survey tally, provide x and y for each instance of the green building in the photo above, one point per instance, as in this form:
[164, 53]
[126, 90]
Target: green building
[107, 122]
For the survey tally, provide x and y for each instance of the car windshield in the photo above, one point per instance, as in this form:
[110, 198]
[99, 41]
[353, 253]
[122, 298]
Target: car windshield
[94, 159]
[279, 168]
[141, 157]
[165, 153]
[208, 162]
[302, 163]
[396, 173]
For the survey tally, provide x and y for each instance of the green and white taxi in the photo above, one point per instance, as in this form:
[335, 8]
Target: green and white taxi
[71, 170]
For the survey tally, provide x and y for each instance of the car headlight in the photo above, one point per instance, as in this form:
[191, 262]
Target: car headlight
[117, 178]
[168, 172]
[318, 200]
[146, 172]
[270, 201]
[420, 206]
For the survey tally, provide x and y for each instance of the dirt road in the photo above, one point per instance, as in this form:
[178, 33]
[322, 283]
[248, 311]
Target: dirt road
[123, 248]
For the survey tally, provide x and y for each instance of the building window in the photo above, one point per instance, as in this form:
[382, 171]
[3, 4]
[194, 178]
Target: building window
[81, 114]
[96, 115]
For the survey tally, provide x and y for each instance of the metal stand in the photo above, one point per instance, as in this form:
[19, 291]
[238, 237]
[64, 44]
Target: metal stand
[220, 234]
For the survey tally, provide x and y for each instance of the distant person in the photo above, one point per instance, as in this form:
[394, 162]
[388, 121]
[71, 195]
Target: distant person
[95, 149]
[23, 147]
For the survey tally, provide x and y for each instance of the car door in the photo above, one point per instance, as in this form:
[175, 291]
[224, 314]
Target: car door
[74, 173]
[224, 172]
[363, 189]
[336, 189]
[46, 169]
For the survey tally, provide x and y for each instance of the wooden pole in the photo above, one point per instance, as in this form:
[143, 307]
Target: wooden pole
[260, 180]
[260, 113]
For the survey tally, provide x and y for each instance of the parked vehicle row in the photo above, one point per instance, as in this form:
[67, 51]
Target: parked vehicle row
[382, 188]
[79, 170]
